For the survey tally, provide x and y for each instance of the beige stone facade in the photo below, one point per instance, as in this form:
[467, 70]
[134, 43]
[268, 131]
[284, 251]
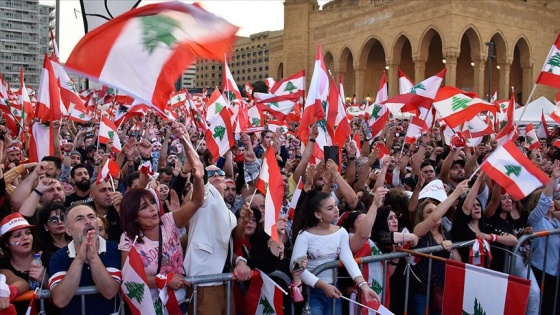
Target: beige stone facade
[247, 63]
[361, 39]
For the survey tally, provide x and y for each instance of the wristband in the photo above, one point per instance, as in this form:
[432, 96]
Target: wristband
[312, 139]
[38, 192]
[352, 158]
[361, 284]
[240, 258]
[493, 238]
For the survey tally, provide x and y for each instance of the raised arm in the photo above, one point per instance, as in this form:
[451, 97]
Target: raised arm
[473, 193]
[425, 226]
[306, 155]
[446, 166]
[24, 189]
[363, 232]
[344, 189]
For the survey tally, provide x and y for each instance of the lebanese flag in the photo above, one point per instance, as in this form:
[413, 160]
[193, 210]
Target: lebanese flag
[78, 113]
[231, 91]
[271, 185]
[508, 122]
[256, 119]
[178, 98]
[532, 141]
[513, 171]
[337, 124]
[314, 110]
[475, 290]
[456, 106]
[274, 125]
[55, 46]
[550, 73]
[294, 200]
[249, 92]
[542, 132]
[277, 106]
[166, 294]
[556, 112]
[25, 102]
[157, 41]
[40, 142]
[358, 143]
[405, 84]
[214, 106]
[415, 129]
[48, 96]
[420, 96]
[294, 86]
[382, 150]
[68, 90]
[134, 285]
[219, 135]
[107, 132]
[125, 112]
[264, 296]
[378, 112]
[269, 82]
[109, 171]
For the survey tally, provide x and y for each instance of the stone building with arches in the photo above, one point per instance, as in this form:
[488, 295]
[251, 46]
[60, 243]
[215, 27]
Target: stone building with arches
[361, 39]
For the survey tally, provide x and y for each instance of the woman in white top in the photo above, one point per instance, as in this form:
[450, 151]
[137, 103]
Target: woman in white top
[321, 241]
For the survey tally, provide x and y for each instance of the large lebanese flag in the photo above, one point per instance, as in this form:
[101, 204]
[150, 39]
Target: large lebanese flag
[214, 106]
[145, 50]
[474, 290]
[513, 171]
[550, 73]
[313, 110]
[40, 142]
[378, 113]
[271, 185]
[293, 85]
[219, 135]
[134, 285]
[48, 96]
[337, 124]
[108, 132]
[456, 106]
[68, 91]
[264, 296]
[405, 84]
[277, 106]
[420, 96]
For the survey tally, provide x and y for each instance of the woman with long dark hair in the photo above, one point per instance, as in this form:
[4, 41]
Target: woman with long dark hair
[320, 241]
[156, 236]
[51, 231]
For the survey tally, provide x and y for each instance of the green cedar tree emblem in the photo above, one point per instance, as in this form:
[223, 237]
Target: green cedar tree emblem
[111, 134]
[324, 103]
[219, 108]
[230, 96]
[375, 251]
[110, 91]
[503, 124]
[529, 139]
[267, 308]
[255, 121]
[376, 286]
[15, 113]
[478, 310]
[82, 116]
[418, 86]
[72, 86]
[290, 87]
[135, 291]
[375, 111]
[554, 62]
[458, 103]
[219, 132]
[322, 124]
[156, 30]
[275, 104]
[158, 307]
[515, 169]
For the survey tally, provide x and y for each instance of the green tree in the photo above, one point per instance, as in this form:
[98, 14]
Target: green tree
[156, 30]
[554, 62]
[375, 111]
[135, 291]
[515, 169]
[418, 86]
[255, 122]
[219, 132]
[529, 139]
[275, 104]
[290, 87]
[111, 134]
[376, 286]
[267, 308]
[458, 103]
[218, 108]
[82, 116]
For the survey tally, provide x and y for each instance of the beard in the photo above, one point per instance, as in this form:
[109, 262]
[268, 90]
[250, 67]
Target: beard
[83, 185]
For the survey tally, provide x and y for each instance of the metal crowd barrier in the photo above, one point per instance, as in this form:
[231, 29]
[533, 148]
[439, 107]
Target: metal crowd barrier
[384, 257]
[516, 251]
[194, 281]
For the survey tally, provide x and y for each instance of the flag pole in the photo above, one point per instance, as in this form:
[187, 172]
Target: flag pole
[112, 182]
[526, 103]
[358, 303]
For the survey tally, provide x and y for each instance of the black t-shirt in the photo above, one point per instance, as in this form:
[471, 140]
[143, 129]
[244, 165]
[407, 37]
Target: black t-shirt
[73, 198]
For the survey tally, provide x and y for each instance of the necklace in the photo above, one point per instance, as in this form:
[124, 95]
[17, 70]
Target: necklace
[150, 230]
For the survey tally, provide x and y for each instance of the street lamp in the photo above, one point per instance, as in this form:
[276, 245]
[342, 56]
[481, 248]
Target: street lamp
[490, 57]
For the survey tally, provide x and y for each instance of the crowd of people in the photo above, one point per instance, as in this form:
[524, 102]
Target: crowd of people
[188, 213]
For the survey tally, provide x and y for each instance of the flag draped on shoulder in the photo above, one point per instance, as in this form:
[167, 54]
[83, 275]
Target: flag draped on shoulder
[470, 289]
[513, 171]
[550, 73]
[134, 285]
[264, 296]
[270, 184]
[145, 50]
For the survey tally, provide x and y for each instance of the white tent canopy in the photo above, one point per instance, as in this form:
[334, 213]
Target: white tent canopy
[533, 112]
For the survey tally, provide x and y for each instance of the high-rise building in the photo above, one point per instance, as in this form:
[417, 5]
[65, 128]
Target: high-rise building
[248, 62]
[188, 77]
[24, 39]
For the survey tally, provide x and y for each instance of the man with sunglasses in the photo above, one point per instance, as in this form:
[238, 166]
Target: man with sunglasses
[217, 178]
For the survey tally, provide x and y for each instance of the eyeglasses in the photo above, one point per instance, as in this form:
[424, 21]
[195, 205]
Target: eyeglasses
[54, 220]
[216, 173]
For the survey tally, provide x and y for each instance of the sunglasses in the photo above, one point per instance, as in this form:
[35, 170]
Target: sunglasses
[216, 173]
[55, 220]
